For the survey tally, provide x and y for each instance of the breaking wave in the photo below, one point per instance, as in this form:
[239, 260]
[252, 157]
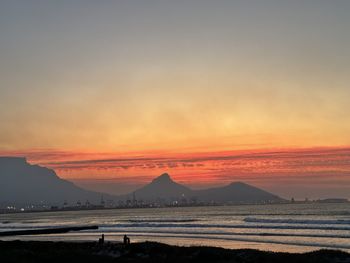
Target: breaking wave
[161, 220]
[297, 221]
[233, 226]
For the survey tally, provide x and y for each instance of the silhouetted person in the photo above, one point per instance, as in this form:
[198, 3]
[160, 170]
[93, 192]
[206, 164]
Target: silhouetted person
[126, 240]
[101, 240]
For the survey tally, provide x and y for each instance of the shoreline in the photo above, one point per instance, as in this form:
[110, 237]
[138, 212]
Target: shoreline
[79, 209]
[4, 211]
[44, 251]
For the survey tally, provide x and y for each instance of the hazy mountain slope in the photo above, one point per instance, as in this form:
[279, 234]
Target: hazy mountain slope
[22, 183]
[236, 193]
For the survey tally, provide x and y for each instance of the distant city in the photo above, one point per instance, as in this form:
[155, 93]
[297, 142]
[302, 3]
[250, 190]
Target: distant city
[134, 203]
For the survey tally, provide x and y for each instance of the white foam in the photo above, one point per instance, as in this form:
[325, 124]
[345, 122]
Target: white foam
[298, 221]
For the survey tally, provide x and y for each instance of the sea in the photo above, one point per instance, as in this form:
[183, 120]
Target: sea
[275, 227]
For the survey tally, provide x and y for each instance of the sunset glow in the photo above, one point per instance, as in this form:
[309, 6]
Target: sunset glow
[115, 94]
[277, 169]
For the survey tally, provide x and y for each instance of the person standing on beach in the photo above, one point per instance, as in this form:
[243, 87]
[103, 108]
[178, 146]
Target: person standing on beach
[126, 240]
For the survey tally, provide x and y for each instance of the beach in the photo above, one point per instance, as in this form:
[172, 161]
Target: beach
[46, 251]
[297, 228]
[242, 233]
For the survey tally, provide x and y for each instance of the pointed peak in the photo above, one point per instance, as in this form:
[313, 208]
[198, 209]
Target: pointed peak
[163, 178]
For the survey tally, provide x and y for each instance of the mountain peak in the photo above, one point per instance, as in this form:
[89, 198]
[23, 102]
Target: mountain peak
[163, 187]
[165, 177]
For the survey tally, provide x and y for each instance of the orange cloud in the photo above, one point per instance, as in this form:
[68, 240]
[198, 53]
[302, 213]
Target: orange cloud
[199, 168]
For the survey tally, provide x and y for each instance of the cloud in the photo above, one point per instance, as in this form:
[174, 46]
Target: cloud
[234, 163]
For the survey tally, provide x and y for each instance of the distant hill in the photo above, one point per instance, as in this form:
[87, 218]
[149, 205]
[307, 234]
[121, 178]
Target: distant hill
[237, 192]
[163, 188]
[23, 183]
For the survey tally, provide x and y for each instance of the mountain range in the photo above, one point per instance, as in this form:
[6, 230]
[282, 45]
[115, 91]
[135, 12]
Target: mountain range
[165, 189]
[23, 183]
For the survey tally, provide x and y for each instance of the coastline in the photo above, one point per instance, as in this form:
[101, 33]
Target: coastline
[49, 251]
[4, 211]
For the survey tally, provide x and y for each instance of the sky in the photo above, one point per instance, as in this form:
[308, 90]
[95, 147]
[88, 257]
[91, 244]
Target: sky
[112, 93]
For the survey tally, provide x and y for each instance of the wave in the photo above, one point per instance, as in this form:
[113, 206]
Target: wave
[172, 225]
[331, 213]
[251, 223]
[297, 221]
[161, 220]
[220, 233]
[188, 225]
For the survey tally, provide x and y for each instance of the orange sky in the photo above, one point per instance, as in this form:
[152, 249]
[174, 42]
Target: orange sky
[179, 86]
[120, 77]
[324, 170]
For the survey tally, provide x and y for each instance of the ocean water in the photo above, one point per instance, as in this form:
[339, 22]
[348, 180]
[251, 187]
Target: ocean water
[289, 227]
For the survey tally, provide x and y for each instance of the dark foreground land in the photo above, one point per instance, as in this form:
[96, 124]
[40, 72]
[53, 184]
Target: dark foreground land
[64, 252]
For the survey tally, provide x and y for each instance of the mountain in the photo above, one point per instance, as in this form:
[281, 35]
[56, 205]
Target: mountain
[162, 188]
[237, 192]
[23, 183]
